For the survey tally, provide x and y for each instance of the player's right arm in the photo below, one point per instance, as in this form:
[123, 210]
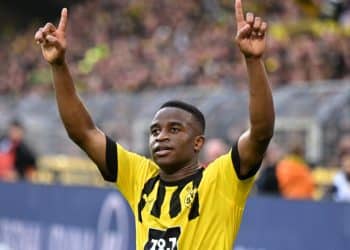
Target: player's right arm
[75, 117]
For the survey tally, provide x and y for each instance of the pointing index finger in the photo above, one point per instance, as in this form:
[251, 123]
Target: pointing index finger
[239, 11]
[63, 20]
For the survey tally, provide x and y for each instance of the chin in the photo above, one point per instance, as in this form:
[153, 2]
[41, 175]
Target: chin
[163, 163]
[166, 165]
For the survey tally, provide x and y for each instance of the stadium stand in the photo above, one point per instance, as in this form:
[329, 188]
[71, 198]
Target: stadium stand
[130, 56]
[130, 45]
[317, 116]
[125, 53]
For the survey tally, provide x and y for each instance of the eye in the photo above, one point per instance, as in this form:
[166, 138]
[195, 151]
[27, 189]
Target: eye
[155, 131]
[174, 130]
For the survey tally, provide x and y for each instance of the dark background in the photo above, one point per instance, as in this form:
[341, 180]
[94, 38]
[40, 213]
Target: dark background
[20, 14]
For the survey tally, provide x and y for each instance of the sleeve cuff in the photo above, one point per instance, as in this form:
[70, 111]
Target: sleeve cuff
[111, 161]
[237, 164]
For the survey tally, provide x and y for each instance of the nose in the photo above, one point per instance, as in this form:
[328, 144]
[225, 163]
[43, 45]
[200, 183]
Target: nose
[162, 136]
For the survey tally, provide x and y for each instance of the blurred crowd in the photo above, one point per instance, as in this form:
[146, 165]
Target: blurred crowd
[285, 172]
[288, 174]
[134, 44]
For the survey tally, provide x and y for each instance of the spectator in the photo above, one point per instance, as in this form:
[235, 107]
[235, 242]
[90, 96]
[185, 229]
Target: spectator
[214, 148]
[344, 145]
[341, 183]
[294, 177]
[267, 182]
[17, 161]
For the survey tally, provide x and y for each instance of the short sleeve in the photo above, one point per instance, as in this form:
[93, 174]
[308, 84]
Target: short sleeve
[228, 183]
[131, 170]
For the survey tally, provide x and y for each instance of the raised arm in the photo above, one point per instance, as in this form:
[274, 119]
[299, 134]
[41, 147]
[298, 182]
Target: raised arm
[75, 117]
[251, 40]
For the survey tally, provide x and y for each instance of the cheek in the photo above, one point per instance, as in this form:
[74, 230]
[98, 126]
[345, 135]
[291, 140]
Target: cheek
[150, 143]
[151, 139]
[187, 147]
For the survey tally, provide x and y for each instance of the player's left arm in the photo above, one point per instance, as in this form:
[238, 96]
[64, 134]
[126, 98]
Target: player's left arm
[251, 40]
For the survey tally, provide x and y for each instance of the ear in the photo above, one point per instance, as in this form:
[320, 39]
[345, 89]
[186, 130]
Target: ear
[198, 143]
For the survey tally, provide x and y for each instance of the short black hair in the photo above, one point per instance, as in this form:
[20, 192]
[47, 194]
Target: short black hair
[189, 108]
[16, 123]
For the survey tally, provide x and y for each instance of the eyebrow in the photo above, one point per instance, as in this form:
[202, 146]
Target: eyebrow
[171, 123]
[153, 125]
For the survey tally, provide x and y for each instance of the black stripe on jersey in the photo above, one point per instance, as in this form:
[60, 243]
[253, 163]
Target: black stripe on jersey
[111, 171]
[194, 212]
[175, 203]
[182, 181]
[237, 164]
[147, 189]
[157, 205]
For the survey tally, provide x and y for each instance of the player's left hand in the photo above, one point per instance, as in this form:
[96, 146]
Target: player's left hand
[251, 31]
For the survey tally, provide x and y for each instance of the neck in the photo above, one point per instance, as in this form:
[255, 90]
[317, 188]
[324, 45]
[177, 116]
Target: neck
[180, 174]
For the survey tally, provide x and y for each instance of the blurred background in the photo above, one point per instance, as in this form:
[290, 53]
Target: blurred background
[127, 57]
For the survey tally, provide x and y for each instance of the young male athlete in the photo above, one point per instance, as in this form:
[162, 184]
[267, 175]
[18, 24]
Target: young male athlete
[176, 203]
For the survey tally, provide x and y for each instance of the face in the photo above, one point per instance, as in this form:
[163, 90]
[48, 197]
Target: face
[345, 163]
[175, 139]
[15, 133]
[213, 149]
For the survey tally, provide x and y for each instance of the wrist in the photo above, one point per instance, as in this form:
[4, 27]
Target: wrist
[253, 60]
[252, 57]
[58, 63]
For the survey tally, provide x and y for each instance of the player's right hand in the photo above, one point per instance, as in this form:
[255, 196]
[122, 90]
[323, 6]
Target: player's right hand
[53, 40]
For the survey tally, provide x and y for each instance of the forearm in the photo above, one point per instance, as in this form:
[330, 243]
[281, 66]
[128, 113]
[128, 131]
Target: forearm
[74, 115]
[261, 109]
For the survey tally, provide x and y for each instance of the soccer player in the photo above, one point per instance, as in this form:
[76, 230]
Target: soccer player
[176, 203]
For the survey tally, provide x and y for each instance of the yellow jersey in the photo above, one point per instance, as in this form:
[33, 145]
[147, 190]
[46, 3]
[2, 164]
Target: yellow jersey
[200, 212]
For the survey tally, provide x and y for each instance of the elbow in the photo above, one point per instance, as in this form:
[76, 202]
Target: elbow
[73, 137]
[77, 138]
[269, 132]
[263, 133]
[262, 126]
[263, 138]
[81, 137]
[269, 135]
[77, 133]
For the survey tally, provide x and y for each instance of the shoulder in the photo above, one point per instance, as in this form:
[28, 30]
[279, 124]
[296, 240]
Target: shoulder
[133, 157]
[222, 167]
[134, 162]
